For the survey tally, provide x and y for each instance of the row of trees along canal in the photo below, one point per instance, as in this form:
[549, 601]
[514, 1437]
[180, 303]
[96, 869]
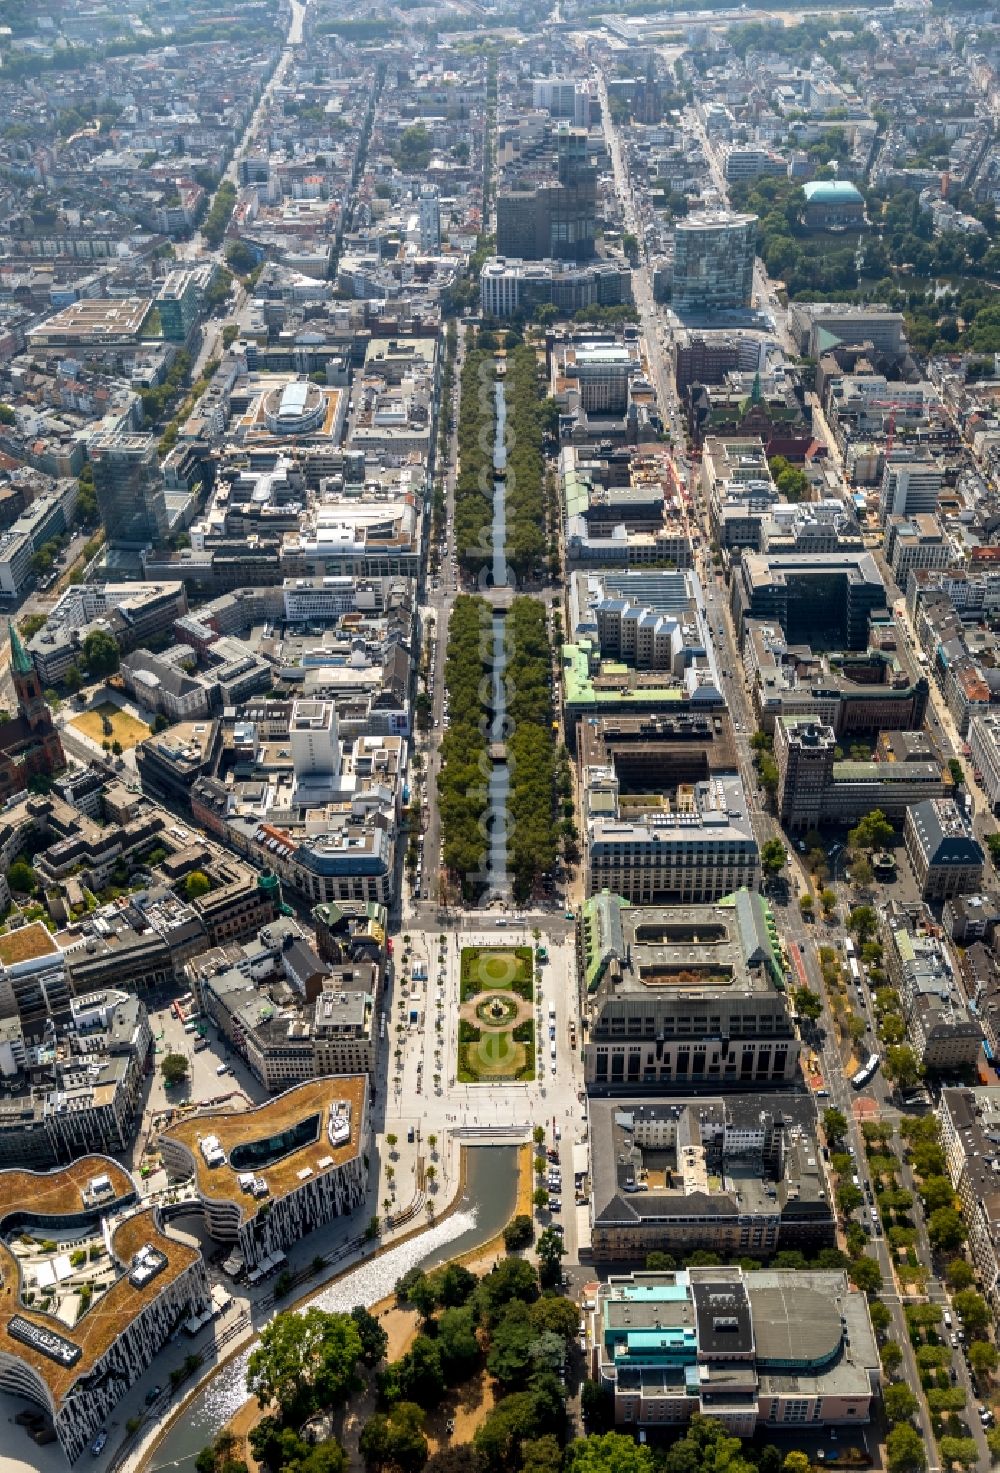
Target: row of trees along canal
[465, 761]
[526, 490]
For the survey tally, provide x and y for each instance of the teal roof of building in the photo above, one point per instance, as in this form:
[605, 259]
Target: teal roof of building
[831, 192]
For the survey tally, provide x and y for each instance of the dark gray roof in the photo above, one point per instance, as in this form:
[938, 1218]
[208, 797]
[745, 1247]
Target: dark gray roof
[794, 1324]
[623, 1194]
[724, 1324]
[944, 836]
[174, 681]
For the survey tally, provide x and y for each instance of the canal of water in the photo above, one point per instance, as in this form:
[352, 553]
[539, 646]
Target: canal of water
[487, 1205]
[498, 886]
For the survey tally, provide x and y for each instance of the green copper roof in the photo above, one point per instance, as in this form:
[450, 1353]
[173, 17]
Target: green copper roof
[831, 192]
[20, 660]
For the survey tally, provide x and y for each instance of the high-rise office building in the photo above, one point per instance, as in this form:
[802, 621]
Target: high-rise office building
[824, 598]
[911, 483]
[177, 304]
[547, 206]
[556, 95]
[713, 263]
[429, 219]
[129, 488]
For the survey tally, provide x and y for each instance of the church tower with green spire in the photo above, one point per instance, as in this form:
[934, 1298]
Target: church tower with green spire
[30, 700]
[29, 745]
[21, 662]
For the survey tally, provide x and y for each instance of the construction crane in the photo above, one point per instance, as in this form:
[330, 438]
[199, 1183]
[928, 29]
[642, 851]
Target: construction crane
[931, 408]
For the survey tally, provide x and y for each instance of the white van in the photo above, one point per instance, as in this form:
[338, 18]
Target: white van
[552, 1052]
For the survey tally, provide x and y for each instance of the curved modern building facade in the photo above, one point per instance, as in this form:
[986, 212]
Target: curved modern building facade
[266, 1177]
[713, 263]
[91, 1288]
[294, 409]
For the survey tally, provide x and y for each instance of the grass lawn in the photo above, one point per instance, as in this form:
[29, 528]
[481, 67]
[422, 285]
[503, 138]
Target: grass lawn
[495, 1045]
[496, 969]
[128, 730]
[496, 1056]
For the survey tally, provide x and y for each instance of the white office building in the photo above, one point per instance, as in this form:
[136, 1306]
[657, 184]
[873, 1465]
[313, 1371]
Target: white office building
[314, 739]
[910, 484]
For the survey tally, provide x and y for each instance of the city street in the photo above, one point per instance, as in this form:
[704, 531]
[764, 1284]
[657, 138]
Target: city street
[801, 936]
[195, 249]
[841, 1096]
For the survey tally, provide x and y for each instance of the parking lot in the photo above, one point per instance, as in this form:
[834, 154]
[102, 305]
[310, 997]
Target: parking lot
[205, 1083]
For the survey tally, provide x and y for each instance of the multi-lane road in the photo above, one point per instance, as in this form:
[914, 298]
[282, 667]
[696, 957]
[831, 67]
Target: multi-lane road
[802, 936]
[196, 249]
[802, 940]
[659, 358]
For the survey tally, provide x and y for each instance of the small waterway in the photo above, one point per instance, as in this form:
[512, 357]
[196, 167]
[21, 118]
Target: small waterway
[488, 1203]
[499, 485]
[498, 887]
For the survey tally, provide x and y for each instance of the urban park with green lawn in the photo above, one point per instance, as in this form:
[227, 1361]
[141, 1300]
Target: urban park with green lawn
[496, 1029]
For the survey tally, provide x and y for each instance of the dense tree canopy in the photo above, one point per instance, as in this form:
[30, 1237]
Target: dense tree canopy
[305, 1361]
[100, 653]
[874, 831]
[612, 1453]
[462, 794]
[532, 843]
[395, 1440]
[174, 1068]
[525, 464]
[474, 483]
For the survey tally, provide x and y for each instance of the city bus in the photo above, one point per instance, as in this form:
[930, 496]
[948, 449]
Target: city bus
[866, 1073]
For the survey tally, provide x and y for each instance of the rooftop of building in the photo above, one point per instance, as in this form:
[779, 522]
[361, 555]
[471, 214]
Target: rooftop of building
[784, 667]
[701, 950]
[831, 192]
[615, 683]
[714, 220]
[974, 1112]
[382, 353]
[308, 1130]
[763, 569]
[624, 738]
[798, 1327]
[94, 319]
[26, 944]
[714, 808]
[944, 833]
[92, 1186]
[186, 744]
[703, 1157]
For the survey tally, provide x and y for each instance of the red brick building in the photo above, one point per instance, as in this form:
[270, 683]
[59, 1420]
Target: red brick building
[29, 745]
